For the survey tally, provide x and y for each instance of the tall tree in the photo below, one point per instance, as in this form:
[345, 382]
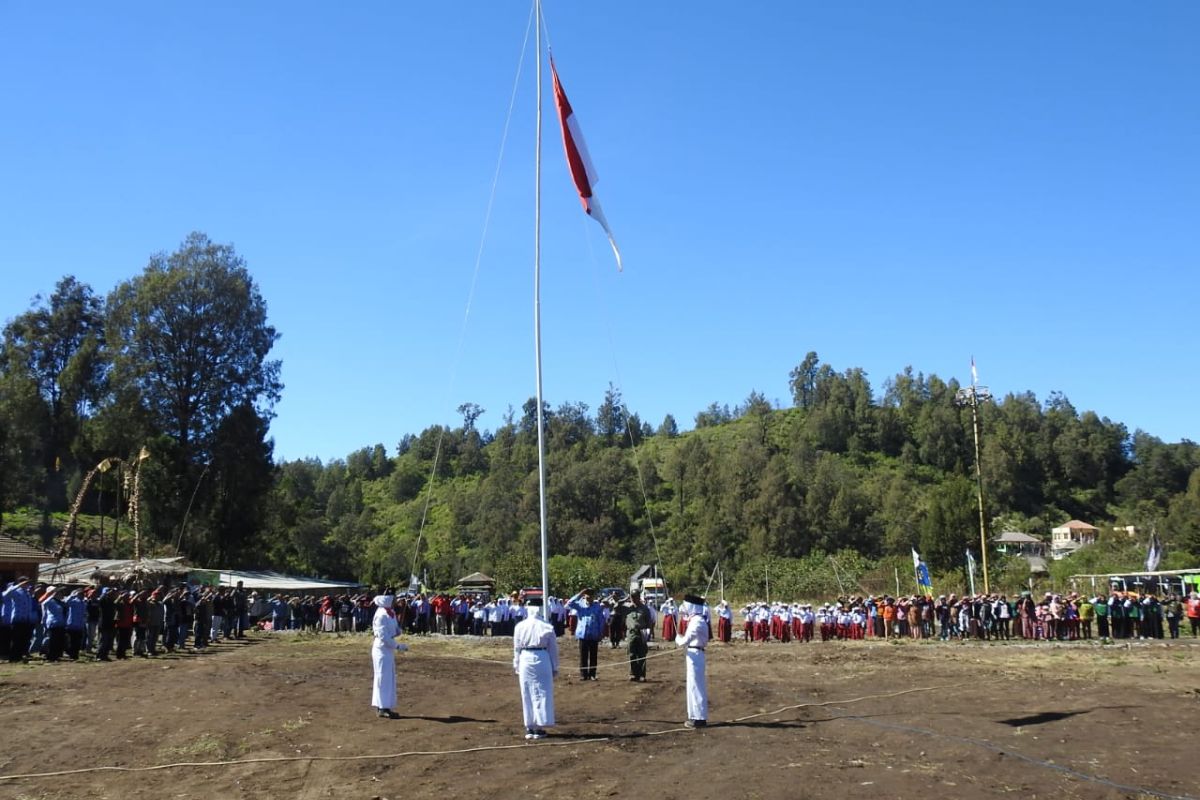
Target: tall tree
[241, 477]
[190, 337]
[611, 418]
[804, 380]
[55, 350]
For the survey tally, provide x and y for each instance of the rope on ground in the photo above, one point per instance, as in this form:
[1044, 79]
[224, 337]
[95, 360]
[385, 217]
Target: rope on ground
[1037, 762]
[848, 702]
[368, 757]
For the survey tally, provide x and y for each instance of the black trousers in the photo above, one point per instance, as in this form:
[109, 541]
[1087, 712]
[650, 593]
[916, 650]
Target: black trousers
[74, 643]
[637, 658]
[107, 636]
[21, 634]
[588, 651]
[56, 643]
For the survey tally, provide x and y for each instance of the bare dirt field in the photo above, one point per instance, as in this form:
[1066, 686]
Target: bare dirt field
[834, 720]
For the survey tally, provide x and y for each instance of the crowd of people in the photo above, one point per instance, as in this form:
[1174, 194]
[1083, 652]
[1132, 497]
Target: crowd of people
[1055, 617]
[115, 622]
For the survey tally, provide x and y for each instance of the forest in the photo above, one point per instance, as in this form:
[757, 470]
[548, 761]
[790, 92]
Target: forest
[155, 401]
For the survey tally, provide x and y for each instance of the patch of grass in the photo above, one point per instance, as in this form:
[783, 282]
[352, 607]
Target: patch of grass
[206, 747]
[294, 724]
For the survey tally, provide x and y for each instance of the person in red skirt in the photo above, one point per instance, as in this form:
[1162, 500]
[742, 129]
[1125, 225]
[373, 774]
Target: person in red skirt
[669, 622]
[724, 622]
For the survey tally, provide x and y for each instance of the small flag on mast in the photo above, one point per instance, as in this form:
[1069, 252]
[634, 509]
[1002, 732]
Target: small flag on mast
[974, 374]
[1154, 554]
[922, 573]
[578, 161]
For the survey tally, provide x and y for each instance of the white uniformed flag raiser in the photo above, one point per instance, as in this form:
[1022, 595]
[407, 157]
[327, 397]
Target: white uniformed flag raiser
[582, 171]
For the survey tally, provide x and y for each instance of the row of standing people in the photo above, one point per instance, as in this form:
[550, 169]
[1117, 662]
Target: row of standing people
[56, 622]
[1119, 615]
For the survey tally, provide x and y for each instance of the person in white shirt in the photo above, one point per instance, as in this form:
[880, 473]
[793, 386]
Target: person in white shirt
[694, 640]
[535, 662]
[383, 658]
[724, 622]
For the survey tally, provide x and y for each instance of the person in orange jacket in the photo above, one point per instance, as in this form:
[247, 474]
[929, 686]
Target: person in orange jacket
[1193, 612]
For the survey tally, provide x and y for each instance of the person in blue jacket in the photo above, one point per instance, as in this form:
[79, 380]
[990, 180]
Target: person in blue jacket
[589, 630]
[18, 609]
[77, 620]
[54, 620]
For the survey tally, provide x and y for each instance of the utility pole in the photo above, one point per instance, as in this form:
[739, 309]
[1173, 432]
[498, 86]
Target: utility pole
[971, 397]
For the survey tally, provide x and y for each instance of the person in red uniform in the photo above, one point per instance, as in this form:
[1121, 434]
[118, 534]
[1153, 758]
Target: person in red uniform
[668, 620]
[1193, 612]
[724, 622]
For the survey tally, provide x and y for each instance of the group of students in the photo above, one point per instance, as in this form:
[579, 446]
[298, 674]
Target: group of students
[64, 622]
[107, 622]
[1057, 617]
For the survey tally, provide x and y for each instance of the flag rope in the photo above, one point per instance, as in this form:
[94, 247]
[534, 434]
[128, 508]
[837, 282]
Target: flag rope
[462, 334]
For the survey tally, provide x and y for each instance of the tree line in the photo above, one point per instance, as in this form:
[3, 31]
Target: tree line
[175, 363]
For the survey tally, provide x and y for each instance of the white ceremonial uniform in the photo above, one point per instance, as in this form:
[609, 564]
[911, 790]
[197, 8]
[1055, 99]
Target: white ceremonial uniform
[383, 648]
[535, 662]
[695, 640]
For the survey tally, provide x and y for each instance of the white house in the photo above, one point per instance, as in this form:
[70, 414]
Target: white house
[1070, 536]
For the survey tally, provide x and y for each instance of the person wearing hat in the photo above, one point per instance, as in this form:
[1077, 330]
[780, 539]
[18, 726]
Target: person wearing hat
[724, 622]
[21, 614]
[637, 619]
[694, 640]
[54, 619]
[76, 623]
[535, 663]
[383, 655]
[669, 621]
[589, 629]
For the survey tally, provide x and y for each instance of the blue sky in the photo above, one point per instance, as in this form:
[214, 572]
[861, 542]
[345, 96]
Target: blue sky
[886, 184]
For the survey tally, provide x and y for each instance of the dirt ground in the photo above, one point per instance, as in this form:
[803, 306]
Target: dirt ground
[839, 720]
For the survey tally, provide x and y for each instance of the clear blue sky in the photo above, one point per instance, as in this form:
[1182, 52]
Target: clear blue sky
[887, 184]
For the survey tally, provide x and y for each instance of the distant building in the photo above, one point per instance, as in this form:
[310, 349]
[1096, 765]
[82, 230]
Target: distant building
[1070, 536]
[19, 559]
[1030, 548]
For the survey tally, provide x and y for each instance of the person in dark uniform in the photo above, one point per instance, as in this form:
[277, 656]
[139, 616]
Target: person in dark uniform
[638, 622]
[616, 622]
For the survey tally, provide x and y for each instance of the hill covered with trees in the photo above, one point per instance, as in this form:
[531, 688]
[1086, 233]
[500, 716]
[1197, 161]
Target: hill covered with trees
[176, 361]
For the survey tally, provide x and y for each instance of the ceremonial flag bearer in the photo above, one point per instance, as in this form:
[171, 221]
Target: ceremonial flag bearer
[694, 640]
[535, 662]
[383, 655]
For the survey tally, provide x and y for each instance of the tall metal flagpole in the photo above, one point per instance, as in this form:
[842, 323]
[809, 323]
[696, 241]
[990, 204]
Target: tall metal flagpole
[537, 304]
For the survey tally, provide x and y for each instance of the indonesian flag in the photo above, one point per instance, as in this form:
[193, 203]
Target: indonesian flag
[974, 373]
[578, 161]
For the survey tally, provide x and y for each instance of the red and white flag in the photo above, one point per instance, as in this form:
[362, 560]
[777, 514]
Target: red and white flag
[974, 374]
[578, 162]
